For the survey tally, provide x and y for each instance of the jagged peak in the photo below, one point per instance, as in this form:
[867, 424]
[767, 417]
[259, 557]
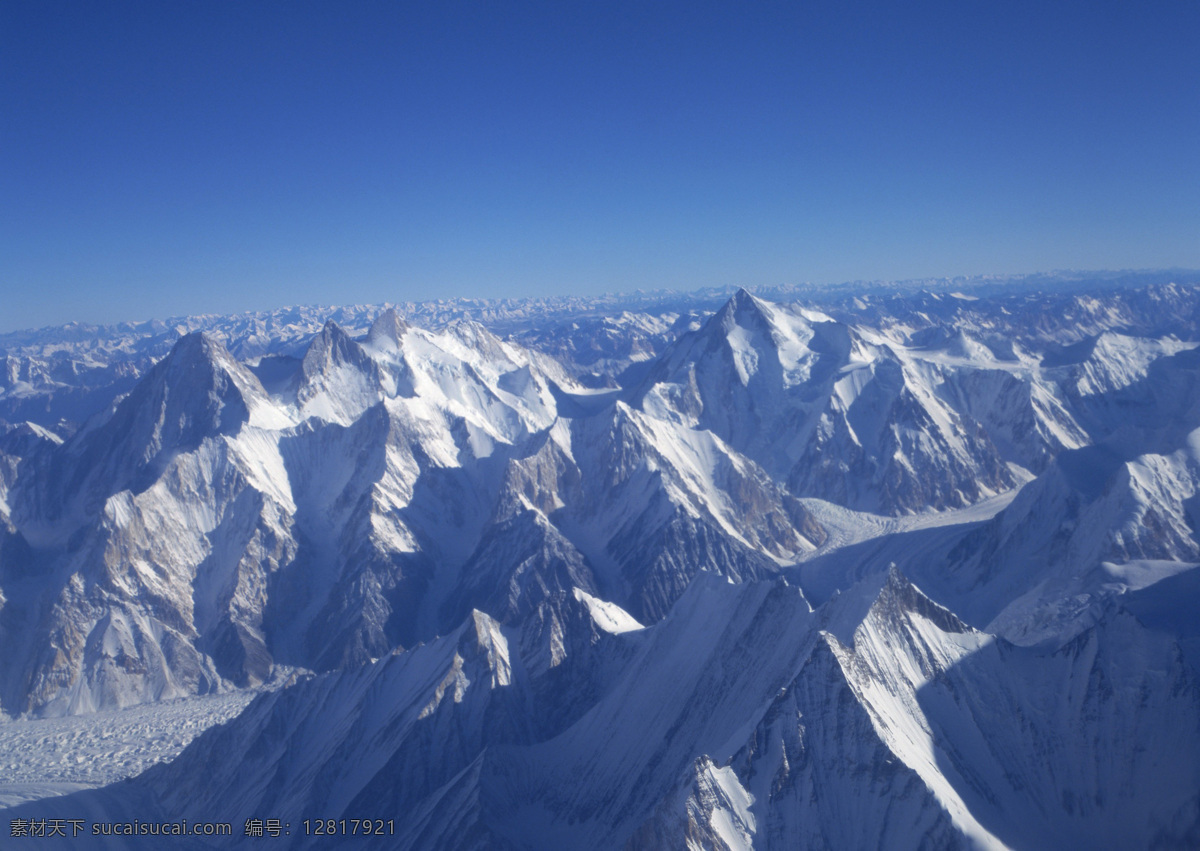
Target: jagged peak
[201, 373]
[329, 339]
[482, 640]
[482, 625]
[565, 622]
[197, 391]
[745, 310]
[888, 596]
[387, 330]
[899, 597]
[26, 434]
[198, 347]
[606, 615]
[332, 347]
[198, 361]
[742, 297]
[479, 338]
[194, 341]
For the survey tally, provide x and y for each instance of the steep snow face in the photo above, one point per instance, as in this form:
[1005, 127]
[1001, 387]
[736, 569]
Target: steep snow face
[801, 781]
[1026, 416]
[655, 503]
[834, 412]
[500, 391]
[59, 377]
[607, 616]
[338, 380]
[215, 531]
[20, 444]
[590, 563]
[1076, 709]
[1042, 566]
[628, 509]
[840, 755]
[984, 702]
[740, 721]
[924, 730]
[197, 391]
[1109, 361]
[1099, 521]
[364, 740]
[374, 490]
[205, 530]
[137, 523]
[405, 487]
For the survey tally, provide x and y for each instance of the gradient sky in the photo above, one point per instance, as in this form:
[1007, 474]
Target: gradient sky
[163, 158]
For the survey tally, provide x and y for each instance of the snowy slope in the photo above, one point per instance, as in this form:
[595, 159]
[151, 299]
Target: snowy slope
[208, 530]
[556, 603]
[743, 720]
[832, 411]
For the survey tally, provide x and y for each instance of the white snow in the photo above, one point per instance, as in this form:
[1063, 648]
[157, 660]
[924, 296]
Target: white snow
[47, 757]
[608, 616]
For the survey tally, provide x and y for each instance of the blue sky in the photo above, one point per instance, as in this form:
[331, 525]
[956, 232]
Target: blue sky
[167, 158]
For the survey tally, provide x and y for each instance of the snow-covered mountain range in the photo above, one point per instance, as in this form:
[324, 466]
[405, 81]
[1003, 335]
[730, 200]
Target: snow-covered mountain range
[867, 567]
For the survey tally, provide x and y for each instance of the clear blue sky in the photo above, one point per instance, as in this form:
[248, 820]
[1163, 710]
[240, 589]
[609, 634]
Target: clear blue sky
[162, 158]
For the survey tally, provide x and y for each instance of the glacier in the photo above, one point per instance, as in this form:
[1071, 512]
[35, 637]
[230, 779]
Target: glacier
[892, 566]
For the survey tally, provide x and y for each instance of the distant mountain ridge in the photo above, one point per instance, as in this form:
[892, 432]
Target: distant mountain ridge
[901, 568]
